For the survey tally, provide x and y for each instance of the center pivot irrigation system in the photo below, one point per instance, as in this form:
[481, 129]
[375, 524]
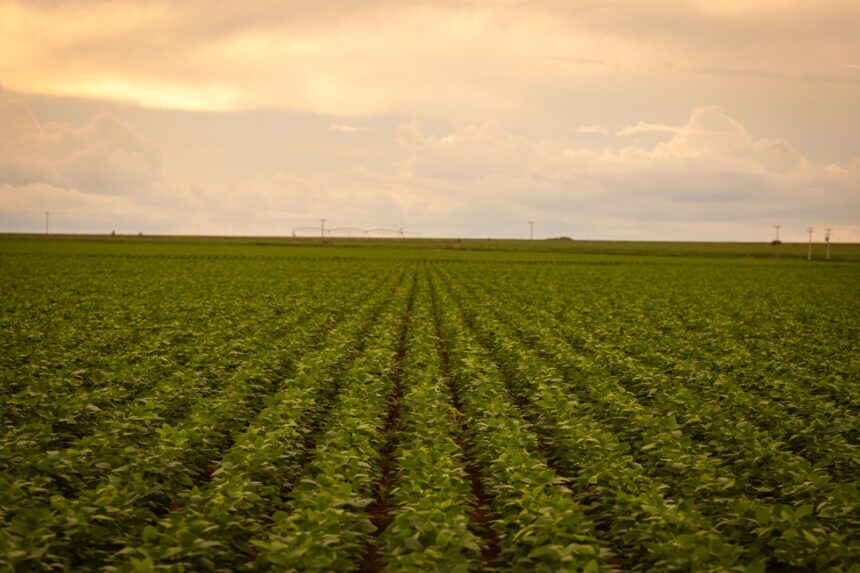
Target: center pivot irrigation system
[350, 232]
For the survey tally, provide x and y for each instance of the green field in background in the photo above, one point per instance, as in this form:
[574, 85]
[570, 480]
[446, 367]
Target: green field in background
[431, 248]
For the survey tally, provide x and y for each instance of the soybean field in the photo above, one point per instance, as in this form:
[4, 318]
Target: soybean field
[281, 406]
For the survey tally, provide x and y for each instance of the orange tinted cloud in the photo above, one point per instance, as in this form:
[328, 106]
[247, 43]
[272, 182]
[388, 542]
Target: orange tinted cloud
[393, 57]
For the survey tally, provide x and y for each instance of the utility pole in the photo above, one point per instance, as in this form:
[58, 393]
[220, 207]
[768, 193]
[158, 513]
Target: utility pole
[777, 227]
[827, 241]
[47, 213]
[531, 230]
[809, 247]
[322, 230]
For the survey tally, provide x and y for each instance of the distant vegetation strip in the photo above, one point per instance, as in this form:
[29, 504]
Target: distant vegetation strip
[410, 247]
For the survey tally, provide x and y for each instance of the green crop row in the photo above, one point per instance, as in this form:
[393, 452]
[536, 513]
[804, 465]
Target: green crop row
[210, 526]
[171, 389]
[90, 498]
[783, 532]
[628, 504]
[810, 425]
[540, 525]
[430, 526]
[325, 526]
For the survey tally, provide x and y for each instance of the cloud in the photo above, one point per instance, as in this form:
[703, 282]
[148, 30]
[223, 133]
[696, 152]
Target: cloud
[71, 210]
[593, 129]
[93, 177]
[710, 178]
[713, 135]
[410, 58]
[711, 173]
[344, 128]
[645, 127]
[102, 157]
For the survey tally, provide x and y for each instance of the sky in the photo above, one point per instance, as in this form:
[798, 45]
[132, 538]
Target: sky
[620, 120]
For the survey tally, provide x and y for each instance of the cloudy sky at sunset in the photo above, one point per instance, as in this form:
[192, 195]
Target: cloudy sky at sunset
[684, 119]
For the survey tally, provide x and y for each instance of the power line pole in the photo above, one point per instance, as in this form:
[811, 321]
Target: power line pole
[47, 213]
[777, 227]
[827, 241]
[322, 230]
[809, 247]
[531, 230]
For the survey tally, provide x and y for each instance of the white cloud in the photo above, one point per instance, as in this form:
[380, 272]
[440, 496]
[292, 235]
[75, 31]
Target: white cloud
[102, 157]
[710, 133]
[645, 127]
[709, 179]
[711, 174]
[345, 128]
[95, 177]
[598, 129]
[22, 209]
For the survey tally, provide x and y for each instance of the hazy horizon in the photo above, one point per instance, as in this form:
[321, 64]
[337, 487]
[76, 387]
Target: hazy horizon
[663, 120]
